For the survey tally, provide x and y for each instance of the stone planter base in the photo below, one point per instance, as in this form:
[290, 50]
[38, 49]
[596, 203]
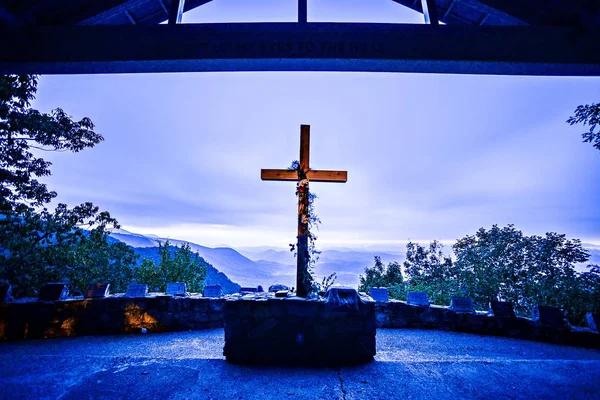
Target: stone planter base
[295, 331]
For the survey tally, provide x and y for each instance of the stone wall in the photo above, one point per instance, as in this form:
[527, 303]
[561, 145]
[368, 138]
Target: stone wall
[299, 331]
[398, 314]
[117, 314]
[110, 315]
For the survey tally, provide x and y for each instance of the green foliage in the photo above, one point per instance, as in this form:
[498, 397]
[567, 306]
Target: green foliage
[310, 219]
[22, 129]
[497, 264]
[381, 276]
[38, 245]
[428, 270]
[94, 259]
[178, 264]
[588, 115]
[504, 264]
[325, 284]
[41, 247]
[213, 276]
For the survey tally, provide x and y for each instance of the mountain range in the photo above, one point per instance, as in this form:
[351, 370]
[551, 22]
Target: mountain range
[266, 266]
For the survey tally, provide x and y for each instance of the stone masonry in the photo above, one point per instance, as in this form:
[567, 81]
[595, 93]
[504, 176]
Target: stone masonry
[298, 331]
[161, 313]
[110, 315]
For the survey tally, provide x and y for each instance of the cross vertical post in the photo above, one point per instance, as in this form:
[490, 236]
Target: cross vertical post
[302, 255]
[303, 176]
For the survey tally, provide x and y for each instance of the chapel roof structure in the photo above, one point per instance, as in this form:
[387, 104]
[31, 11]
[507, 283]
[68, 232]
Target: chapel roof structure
[573, 13]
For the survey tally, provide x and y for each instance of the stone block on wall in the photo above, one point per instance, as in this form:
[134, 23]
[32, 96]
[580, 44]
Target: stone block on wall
[417, 299]
[502, 309]
[462, 304]
[53, 292]
[5, 293]
[136, 290]
[549, 316]
[300, 331]
[593, 320]
[97, 290]
[380, 294]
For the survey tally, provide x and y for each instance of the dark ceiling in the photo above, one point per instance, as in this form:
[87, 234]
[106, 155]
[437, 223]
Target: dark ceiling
[470, 12]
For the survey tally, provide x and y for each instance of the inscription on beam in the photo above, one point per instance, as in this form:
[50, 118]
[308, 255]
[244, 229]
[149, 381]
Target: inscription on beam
[316, 48]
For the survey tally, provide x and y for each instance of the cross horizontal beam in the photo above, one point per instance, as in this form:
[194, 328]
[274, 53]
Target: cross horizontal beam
[278, 175]
[508, 50]
[314, 175]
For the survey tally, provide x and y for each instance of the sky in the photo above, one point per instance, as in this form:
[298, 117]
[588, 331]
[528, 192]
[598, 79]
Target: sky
[428, 156]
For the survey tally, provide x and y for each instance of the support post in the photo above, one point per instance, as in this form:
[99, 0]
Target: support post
[176, 11]
[302, 11]
[430, 12]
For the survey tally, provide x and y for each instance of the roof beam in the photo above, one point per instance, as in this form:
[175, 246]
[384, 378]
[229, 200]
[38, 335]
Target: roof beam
[8, 18]
[164, 7]
[130, 17]
[553, 13]
[507, 50]
[506, 18]
[430, 12]
[449, 9]
[120, 6]
[176, 11]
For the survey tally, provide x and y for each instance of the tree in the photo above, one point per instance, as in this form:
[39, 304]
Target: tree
[23, 129]
[588, 115]
[491, 265]
[44, 246]
[381, 276]
[428, 270]
[504, 264]
[175, 264]
[585, 295]
[551, 277]
[94, 259]
[497, 264]
[38, 245]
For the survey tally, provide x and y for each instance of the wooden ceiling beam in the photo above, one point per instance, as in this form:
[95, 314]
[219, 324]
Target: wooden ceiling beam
[505, 50]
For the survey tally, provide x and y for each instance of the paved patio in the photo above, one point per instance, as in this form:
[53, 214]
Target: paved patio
[410, 364]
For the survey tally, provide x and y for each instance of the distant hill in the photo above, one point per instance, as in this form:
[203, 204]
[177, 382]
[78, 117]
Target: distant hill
[213, 276]
[238, 268]
[347, 264]
[134, 240]
[266, 266]
[594, 251]
[233, 265]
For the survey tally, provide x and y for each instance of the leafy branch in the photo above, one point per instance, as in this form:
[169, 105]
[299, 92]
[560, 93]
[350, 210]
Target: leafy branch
[588, 115]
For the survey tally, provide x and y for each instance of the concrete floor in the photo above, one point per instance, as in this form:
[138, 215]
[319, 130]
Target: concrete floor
[410, 364]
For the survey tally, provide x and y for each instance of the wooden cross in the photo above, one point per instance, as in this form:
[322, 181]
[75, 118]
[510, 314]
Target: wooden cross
[304, 172]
